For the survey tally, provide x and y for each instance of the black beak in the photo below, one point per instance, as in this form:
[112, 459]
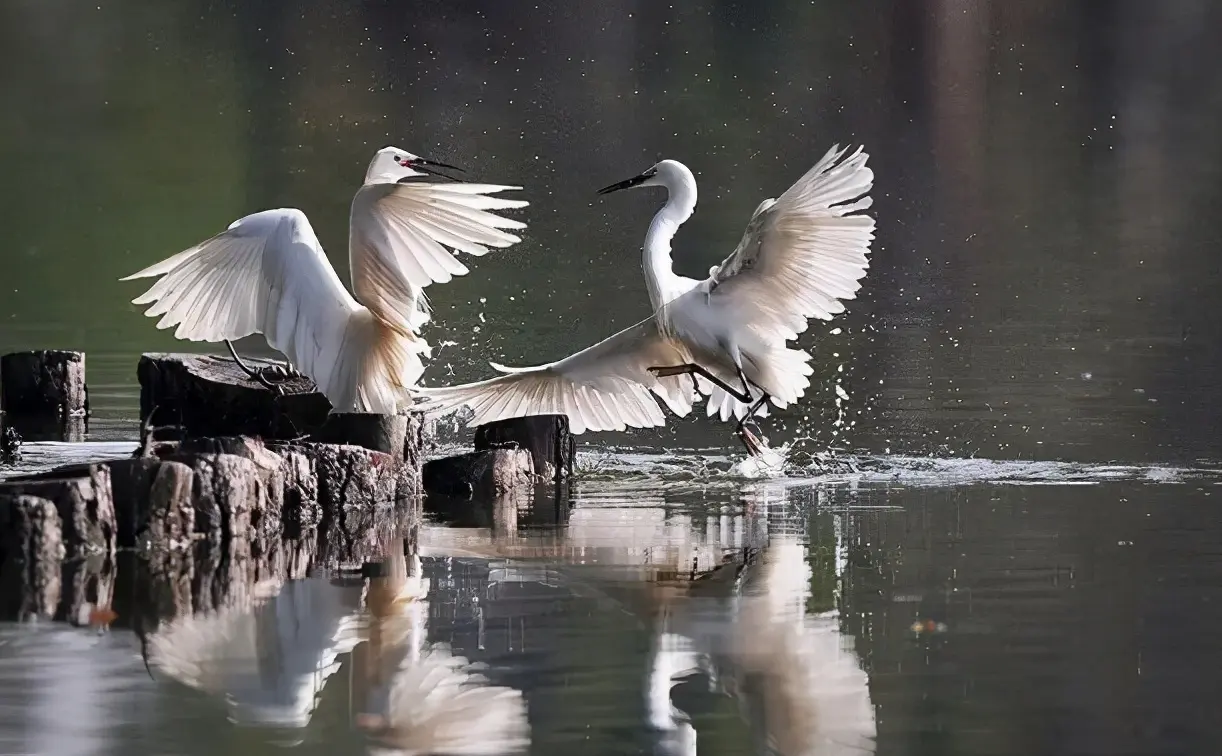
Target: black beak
[423, 165]
[626, 183]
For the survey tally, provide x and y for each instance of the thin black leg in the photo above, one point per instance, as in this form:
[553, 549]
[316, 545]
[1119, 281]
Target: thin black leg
[255, 375]
[743, 396]
[749, 440]
[245, 368]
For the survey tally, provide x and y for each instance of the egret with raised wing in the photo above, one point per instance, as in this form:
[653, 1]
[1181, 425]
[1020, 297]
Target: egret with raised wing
[267, 273]
[723, 337]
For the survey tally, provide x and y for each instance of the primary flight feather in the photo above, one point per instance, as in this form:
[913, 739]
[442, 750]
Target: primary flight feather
[723, 337]
[267, 273]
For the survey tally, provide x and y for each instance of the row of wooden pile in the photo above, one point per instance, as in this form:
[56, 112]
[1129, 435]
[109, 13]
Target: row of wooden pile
[226, 465]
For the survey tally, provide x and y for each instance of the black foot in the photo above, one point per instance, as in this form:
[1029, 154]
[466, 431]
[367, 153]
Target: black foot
[270, 376]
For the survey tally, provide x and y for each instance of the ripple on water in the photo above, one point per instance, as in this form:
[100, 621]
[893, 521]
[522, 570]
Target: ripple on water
[782, 465]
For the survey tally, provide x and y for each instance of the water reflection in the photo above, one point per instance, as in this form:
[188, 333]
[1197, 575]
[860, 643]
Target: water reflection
[268, 661]
[799, 684]
[840, 619]
[435, 701]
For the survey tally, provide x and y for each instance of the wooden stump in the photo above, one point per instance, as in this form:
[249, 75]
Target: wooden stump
[480, 474]
[42, 383]
[383, 433]
[31, 558]
[82, 495]
[547, 438]
[170, 516]
[211, 396]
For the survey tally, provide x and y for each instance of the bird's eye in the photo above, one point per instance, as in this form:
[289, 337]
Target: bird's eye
[400, 159]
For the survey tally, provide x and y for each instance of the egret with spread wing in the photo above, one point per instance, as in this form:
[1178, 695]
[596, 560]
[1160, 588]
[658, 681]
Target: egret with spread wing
[723, 337]
[267, 273]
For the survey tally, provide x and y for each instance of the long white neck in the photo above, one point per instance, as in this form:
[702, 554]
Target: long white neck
[660, 276]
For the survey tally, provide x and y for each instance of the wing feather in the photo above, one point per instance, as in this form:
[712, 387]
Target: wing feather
[400, 237]
[267, 273]
[607, 386]
[803, 253]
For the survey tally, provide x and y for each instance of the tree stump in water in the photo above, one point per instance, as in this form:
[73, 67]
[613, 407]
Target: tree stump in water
[210, 493]
[82, 496]
[43, 383]
[547, 438]
[479, 474]
[212, 396]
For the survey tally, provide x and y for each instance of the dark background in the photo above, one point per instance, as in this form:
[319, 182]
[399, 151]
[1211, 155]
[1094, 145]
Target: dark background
[1047, 187]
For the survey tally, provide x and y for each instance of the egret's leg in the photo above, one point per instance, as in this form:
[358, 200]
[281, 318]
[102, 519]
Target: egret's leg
[743, 396]
[275, 371]
[749, 439]
[255, 375]
[245, 368]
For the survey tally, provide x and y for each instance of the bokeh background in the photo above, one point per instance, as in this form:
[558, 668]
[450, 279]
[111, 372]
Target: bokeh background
[1048, 191]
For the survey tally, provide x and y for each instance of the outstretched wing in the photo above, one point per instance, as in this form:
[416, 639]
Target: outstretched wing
[267, 273]
[803, 253]
[607, 386]
[399, 235]
[799, 256]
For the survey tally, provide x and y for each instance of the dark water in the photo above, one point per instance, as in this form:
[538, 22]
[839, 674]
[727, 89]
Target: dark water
[1031, 615]
[1031, 368]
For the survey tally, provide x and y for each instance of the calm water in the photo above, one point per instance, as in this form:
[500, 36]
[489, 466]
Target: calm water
[1044, 613]
[1027, 389]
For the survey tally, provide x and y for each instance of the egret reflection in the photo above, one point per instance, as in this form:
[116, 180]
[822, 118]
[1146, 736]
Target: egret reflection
[435, 702]
[794, 674]
[268, 658]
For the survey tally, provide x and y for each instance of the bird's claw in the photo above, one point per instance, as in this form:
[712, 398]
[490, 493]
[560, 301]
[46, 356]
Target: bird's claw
[272, 377]
[280, 372]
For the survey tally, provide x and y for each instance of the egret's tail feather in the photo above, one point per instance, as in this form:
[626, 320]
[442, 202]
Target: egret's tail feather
[608, 403]
[377, 366]
[782, 373]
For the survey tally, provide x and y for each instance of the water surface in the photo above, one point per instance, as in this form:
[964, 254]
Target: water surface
[1018, 542]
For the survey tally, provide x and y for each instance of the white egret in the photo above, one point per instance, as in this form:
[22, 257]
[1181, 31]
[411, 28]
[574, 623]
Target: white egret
[799, 256]
[267, 273]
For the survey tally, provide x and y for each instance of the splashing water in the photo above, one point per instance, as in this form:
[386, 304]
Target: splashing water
[768, 464]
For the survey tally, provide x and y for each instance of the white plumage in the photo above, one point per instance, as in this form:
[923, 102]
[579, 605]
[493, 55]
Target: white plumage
[814, 697]
[438, 703]
[267, 273]
[799, 256]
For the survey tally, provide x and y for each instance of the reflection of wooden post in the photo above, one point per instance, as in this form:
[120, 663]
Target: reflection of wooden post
[505, 516]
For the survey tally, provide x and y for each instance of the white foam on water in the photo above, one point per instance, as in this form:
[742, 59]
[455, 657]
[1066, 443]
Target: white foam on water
[781, 464]
[882, 469]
